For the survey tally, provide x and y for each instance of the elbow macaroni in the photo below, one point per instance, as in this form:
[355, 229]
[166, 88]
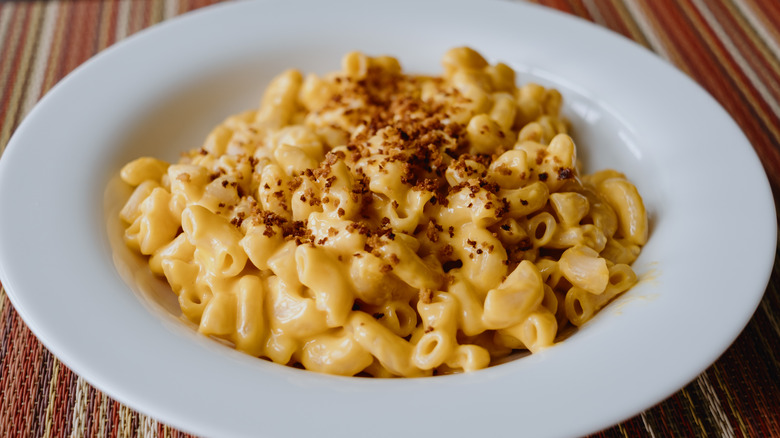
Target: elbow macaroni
[369, 222]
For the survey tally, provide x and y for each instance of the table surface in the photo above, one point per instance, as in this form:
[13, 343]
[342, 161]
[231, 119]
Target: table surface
[730, 47]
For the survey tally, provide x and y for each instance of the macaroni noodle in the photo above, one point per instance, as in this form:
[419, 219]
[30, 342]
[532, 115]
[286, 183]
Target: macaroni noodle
[370, 222]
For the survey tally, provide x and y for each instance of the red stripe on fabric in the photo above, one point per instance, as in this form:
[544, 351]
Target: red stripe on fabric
[14, 365]
[770, 9]
[6, 389]
[112, 26]
[31, 364]
[85, 36]
[42, 398]
[64, 402]
[91, 414]
[560, 5]
[60, 64]
[613, 19]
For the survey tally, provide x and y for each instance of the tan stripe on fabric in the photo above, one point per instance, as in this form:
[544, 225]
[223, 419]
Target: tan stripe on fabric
[628, 21]
[640, 15]
[38, 72]
[736, 55]
[592, 7]
[769, 32]
[123, 19]
[49, 418]
[729, 397]
[102, 415]
[125, 427]
[137, 16]
[156, 12]
[59, 42]
[104, 26]
[171, 9]
[79, 409]
[147, 427]
[6, 12]
[647, 425]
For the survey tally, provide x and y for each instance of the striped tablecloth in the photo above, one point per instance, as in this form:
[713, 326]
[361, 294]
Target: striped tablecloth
[730, 47]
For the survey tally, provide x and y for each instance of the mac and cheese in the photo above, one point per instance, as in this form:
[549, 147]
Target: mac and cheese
[371, 222]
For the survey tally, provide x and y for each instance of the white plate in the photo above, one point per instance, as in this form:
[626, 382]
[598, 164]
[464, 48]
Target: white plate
[158, 93]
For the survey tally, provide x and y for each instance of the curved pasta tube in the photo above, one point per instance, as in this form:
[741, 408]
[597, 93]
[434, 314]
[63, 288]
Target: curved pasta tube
[469, 358]
[178, 249]
[473, 205]
[216, 240]
[510, 170]
[250, 334]
[410, 268]
[188, 183]
[462, 58]
[439, 318]
[335, 353]
[399, 317]
[503, 111]
[273, 192]
[482, 255]
[518, 295]
[280, 100]
[619, 251]
[305, 199]
[373, 284]
[460, 171]
[260, 242]
[292, 312]
[540, 229]
[583, 267]
[470, 307]
[335, 296]
[315, 92]
[337, 235]
[337, 190]
[525, 200]
[219, 315]
[536, 332]
[570, 207]
[132, 208]
[624, 198]
[393, 352]
[193, 295]
[588, 235]
[581, 305]
[155, 226]
[143, 169]
[485, 135]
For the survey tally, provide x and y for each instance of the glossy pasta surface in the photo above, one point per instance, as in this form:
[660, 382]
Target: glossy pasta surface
[371, 222]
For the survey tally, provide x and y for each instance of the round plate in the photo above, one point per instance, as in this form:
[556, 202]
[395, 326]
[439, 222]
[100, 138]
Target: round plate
[160, 92]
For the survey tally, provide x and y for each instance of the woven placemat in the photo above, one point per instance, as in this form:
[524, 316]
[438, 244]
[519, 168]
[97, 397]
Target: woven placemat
[730, 47]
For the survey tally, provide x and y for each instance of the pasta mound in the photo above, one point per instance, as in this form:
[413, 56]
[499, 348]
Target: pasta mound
[375, 223]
